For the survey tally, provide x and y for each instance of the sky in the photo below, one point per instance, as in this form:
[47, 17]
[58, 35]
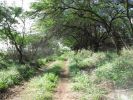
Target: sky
[26, 3]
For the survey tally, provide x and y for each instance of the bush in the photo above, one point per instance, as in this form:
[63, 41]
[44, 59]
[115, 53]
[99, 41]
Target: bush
[119, 70]
[64, 56]
[56, 67]
[8, 78]
[3, 85]
[26, 71]
[90, 60]
[41, 62]
[51, 58]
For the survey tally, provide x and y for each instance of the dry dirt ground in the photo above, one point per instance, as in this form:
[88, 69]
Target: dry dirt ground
[64, 91]
[13, 92]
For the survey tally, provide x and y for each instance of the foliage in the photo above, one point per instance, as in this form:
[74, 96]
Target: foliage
[87, 59]
[44, 86]
[86, 24]
[56, 67]
[42, 61]
[119, 70]
[13, 74]
[9, 20]
[9, 77]
[83, 84]
[26, 72]
[112, 71]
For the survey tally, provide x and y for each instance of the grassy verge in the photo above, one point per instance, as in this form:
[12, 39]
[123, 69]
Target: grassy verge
[81, 82]
[96, 74]
[42, 87]
[13, 74]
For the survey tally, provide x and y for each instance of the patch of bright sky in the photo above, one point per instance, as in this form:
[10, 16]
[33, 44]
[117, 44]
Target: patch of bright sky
[20, 3]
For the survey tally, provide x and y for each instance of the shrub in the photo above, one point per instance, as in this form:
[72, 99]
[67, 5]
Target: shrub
[26, 71]
[8, 78]
[41, 61]
[3, 85]
[56, 67]
[64, 56]
[73, 68]
[119, 70]
[91, 60]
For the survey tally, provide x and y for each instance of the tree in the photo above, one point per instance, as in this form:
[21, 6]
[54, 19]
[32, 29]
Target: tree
[88, 23]
[9, 18]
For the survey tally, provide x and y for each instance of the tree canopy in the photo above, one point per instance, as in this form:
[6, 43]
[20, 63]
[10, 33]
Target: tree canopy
[88, 24]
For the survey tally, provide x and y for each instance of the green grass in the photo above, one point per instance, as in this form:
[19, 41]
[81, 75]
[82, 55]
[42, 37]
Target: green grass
[87, 59]
[119, 71]
[42, 61]
[88, 70]
[13, 74]
[106, 67]
[8, 78]
[42, 87]
[81, 82]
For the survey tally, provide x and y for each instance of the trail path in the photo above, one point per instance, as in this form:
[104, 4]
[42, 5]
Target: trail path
[13, 93]
[63, 91]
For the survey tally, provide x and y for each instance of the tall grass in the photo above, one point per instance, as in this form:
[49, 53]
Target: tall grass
[42, 87]
[13, 74]
[119, 70]
[108, 69]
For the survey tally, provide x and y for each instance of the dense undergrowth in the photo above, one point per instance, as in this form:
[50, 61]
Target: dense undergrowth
[95, 74]
[13, 74]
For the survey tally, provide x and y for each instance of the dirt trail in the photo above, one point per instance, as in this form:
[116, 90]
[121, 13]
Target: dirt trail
[63, 91]
[13, 92]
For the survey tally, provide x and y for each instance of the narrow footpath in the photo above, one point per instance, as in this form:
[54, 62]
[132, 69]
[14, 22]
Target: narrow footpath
[63, 91]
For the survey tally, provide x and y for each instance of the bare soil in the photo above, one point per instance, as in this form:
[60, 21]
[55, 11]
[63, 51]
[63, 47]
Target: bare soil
[63, 91]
